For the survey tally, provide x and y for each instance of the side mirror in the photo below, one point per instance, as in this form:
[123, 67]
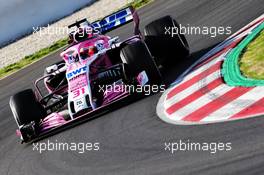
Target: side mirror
[113, 41]
[52, 69]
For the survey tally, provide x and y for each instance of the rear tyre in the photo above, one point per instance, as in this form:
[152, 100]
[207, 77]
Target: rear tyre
[165, 48]
[26, 108]
[138, 59]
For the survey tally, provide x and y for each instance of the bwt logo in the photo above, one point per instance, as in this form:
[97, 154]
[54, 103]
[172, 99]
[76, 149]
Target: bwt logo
[77, 72]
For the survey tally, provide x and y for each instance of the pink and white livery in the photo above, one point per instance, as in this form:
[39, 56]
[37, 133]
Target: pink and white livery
[94, 73]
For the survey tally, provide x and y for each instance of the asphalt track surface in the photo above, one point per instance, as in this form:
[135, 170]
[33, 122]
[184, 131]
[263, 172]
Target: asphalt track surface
[132, 138]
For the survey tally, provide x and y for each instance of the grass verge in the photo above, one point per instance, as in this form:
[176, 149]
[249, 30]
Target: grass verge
[140, 3]
[252, 60]
[46, 51]
[32, 58]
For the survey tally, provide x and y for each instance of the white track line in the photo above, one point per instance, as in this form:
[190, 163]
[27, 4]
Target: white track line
[237, 105]
[200, 102]
[190, 90]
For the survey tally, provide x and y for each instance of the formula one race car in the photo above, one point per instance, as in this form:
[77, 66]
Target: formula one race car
[96, 73]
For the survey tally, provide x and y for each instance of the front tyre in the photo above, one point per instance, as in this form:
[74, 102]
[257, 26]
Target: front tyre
[26, 108]
[138, 59]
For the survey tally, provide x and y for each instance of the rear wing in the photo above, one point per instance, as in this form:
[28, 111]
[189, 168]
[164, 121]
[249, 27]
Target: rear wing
[112, 21]
[115, 20]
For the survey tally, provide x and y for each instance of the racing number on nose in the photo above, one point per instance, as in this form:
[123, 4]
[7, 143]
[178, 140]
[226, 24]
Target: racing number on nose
[78, 92]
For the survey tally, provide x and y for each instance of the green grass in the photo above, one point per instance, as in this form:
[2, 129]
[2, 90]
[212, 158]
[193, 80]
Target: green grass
[32, 58]
[140, 3]
[252, 59]
[44, 52]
